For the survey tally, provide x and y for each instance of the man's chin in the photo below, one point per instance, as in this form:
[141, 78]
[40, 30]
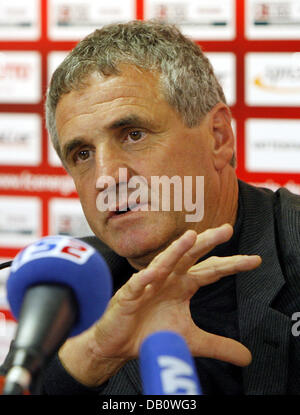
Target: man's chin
[135, 254]
[143, 240]
[141, 254]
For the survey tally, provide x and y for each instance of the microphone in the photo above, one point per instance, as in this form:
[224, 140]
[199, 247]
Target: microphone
[57, 288]
[167, 367]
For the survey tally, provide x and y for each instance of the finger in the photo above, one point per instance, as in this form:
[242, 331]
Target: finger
[136, 285]
[214, 268]
[205, 242]
[165, 262]
[221, 348]
[160, 267]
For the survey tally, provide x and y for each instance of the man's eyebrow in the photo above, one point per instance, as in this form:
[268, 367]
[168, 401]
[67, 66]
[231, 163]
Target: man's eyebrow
[130, 120]
[69, 146]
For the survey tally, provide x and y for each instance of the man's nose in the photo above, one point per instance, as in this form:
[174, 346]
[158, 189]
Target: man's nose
[109, 161]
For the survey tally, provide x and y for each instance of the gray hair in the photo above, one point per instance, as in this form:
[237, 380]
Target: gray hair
[187, 79]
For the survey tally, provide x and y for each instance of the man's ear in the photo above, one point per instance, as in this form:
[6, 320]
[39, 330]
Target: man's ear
[221, 130]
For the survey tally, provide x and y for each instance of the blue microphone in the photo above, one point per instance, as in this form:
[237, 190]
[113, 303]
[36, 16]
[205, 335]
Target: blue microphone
[167, 367]
[58, 287]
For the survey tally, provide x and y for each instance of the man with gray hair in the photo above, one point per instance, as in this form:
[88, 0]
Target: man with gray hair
[143, 98]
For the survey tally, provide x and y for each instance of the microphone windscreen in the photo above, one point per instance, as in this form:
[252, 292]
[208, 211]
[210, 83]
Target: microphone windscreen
[166, 365]
[65, 261]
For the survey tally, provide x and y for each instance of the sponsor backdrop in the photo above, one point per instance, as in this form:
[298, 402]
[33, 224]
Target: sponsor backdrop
[254, 46]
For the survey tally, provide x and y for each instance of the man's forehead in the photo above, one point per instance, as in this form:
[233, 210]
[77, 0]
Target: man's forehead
[131, 82]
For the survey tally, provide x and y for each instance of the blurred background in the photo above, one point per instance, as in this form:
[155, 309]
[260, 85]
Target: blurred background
[254, 46]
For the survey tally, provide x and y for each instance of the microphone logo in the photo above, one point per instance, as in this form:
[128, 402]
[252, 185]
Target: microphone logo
[176, 376]
[54, 246]
[167, 366]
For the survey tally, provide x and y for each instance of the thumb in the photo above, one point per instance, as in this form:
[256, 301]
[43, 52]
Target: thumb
[220, 348]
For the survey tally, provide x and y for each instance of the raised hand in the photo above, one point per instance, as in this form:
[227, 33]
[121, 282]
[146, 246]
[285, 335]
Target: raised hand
[158, 298]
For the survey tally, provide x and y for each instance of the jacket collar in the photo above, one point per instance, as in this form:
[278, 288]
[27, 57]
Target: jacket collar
[263, 329]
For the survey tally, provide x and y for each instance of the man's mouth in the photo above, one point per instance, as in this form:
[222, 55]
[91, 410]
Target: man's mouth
[123, 210]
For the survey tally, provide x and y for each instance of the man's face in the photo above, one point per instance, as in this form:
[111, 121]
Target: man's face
[124, 122]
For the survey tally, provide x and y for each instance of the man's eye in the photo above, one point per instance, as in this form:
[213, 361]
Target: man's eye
[135, 136]
[82, 155]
